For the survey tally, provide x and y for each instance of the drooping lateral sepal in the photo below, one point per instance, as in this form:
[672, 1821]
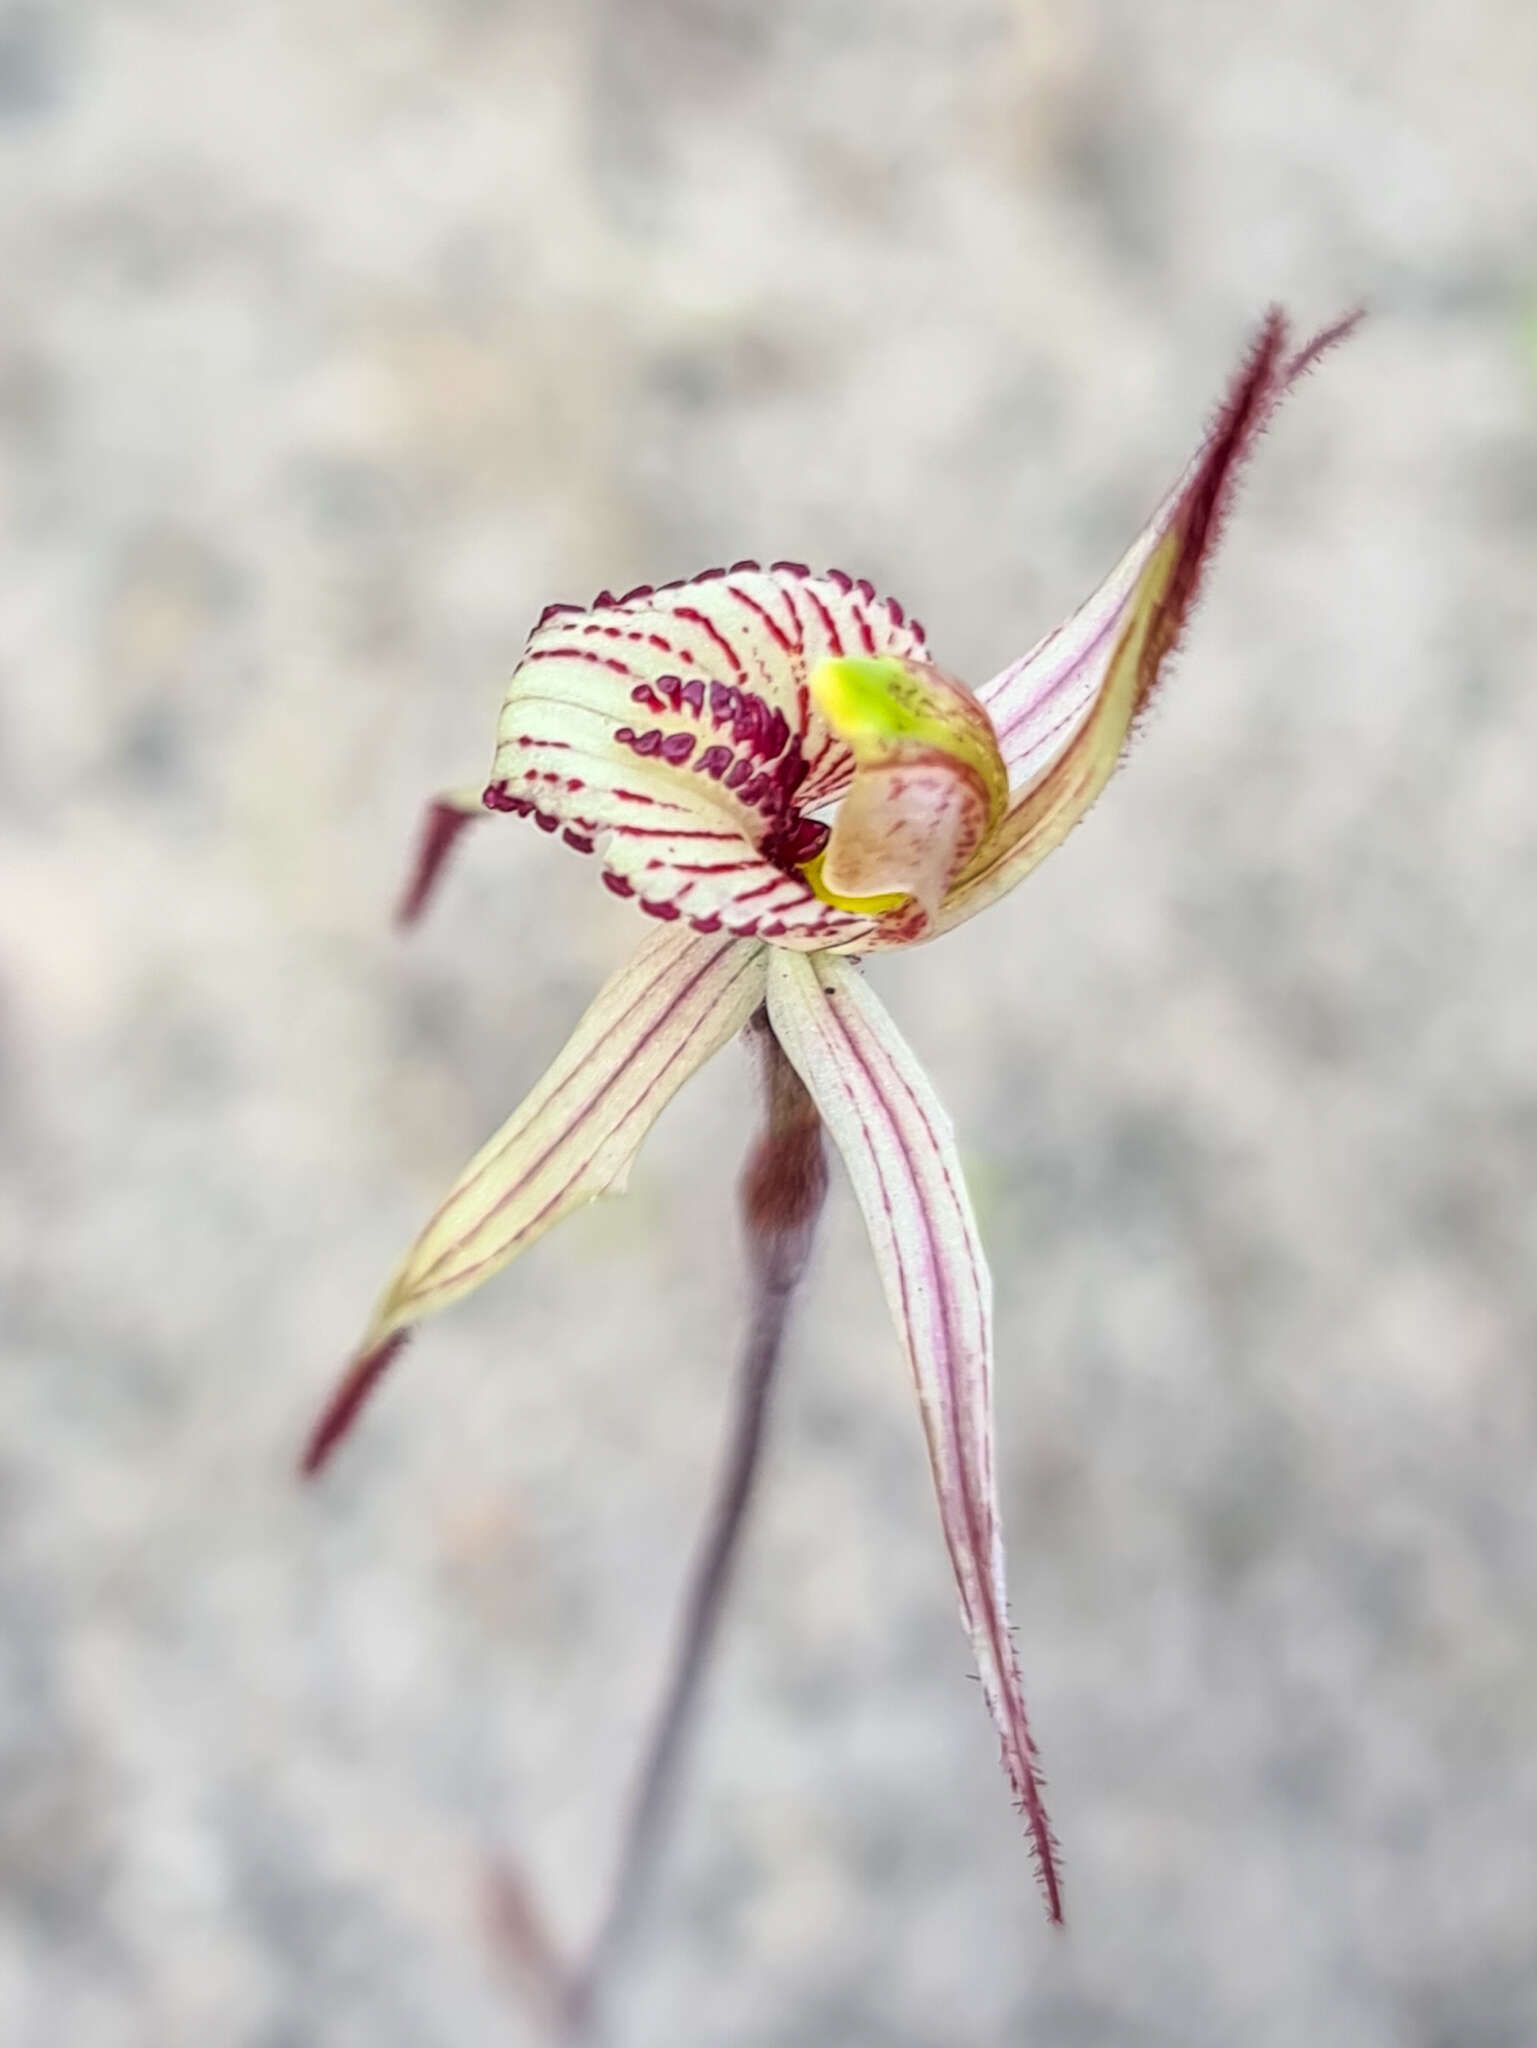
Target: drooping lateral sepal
[1064, 712]
[447, 817]
[666, 1011]
[900, 1153]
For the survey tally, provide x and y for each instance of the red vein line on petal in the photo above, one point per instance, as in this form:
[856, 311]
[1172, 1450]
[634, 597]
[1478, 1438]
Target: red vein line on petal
[589, 1109]
[1057, 679]
[616, 1028]
[585, 654]
[982, 1539]
[776, 630]
[829, 624]
[851, 1047]
[728, 838]
[695, 617]
[974, 1459]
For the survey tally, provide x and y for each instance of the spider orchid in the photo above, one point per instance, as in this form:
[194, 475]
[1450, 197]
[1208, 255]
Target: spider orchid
[770, 764]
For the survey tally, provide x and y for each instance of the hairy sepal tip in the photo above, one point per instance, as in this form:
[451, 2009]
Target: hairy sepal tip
[442, 825]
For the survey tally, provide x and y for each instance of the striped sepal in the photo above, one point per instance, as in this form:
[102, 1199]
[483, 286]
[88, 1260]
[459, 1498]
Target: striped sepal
[658, 1019]
[1064, 713]
[900, 1153]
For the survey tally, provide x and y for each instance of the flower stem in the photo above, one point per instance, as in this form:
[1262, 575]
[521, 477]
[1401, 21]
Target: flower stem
[781, 1195]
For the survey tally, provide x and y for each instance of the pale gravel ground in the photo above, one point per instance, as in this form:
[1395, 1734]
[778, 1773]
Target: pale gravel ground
[336, 339]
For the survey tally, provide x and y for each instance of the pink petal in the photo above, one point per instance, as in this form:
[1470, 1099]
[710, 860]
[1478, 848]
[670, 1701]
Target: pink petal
[897, 1144]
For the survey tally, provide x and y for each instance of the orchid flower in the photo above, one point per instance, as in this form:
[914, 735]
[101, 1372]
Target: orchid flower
[772, 766]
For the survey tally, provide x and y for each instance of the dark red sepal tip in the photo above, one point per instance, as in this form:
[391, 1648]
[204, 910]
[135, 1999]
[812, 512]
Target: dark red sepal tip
[341, 1411]
[440, 832]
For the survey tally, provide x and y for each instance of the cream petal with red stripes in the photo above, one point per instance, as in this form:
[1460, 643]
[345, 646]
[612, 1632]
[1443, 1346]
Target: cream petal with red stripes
[673, 1004]
[899, 1149]
[672, 732]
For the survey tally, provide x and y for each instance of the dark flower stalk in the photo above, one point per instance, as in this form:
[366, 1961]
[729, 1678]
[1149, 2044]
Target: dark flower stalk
[781, 1194]
[782, 1189]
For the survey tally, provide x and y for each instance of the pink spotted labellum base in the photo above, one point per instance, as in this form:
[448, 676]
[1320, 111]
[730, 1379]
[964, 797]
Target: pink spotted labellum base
[770, 763]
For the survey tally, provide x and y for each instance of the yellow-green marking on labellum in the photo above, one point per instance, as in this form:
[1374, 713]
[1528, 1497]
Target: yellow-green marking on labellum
[770, 764]
[928, 786]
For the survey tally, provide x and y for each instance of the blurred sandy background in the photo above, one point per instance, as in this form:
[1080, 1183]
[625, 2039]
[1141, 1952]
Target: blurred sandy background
[336, 339]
